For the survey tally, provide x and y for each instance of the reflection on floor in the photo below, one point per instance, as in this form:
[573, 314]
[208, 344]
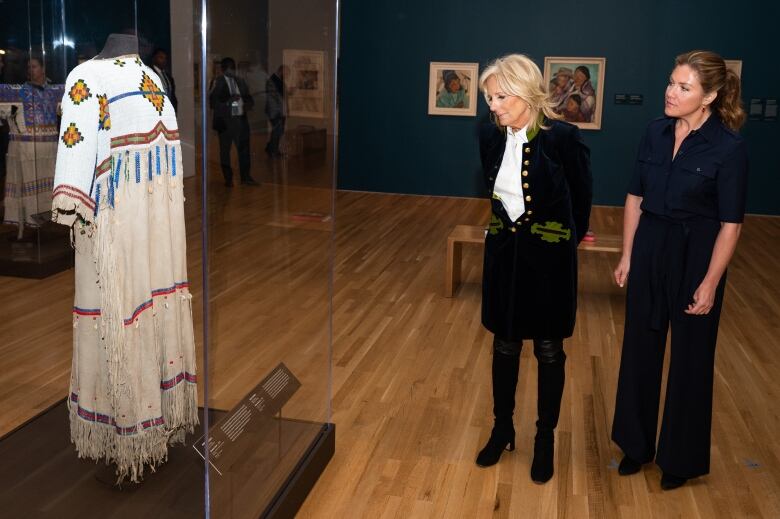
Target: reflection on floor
[410, 368]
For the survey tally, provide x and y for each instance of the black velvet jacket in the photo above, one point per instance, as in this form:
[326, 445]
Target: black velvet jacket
[529, 284]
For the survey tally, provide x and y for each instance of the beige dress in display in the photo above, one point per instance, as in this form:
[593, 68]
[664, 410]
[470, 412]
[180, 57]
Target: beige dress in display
[30, 111]
[118, 184]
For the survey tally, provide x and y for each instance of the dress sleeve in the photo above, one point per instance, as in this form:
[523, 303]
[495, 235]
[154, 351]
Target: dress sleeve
[732, 185]
[77, 149]
[576, 163]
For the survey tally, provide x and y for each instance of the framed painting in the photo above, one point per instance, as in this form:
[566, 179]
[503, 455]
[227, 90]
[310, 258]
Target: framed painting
[735, 65]
[577, 89]
[452, 88]
[305, 83]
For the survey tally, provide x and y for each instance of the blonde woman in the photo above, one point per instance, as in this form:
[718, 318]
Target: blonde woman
[681, 224]
[537, 171]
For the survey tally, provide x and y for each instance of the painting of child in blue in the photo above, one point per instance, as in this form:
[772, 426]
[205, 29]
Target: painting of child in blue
[454, 94]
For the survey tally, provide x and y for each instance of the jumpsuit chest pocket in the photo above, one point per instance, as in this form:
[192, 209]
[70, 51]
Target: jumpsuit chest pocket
[707, 171]
[696, 183]
[651, 167]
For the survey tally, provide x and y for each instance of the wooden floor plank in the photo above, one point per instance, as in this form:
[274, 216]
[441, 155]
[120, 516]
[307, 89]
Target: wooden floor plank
[411, 386]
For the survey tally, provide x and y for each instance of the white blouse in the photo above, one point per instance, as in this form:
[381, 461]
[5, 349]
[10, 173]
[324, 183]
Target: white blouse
[509, 184]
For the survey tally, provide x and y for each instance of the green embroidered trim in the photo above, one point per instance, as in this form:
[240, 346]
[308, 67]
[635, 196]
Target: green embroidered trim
[495, 224]
[551, 232]
[533, 133]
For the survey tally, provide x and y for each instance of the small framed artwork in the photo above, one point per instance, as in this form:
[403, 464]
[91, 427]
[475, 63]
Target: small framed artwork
[452, 88]
[735, 65]
[306, 83]
[577, 89]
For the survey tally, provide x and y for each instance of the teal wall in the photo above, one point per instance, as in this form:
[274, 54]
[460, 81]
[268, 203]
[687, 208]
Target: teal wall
[388, 143]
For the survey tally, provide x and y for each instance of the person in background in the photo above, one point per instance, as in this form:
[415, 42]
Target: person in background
[276, 109]
[230, 100]
[160, 66]
[537, 171]
[682, 220]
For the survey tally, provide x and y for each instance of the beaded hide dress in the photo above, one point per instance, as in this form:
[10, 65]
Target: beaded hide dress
[30, 111]
[118, 185]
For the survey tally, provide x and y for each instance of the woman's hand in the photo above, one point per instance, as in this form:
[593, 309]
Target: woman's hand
[703, 299]
[621, 271]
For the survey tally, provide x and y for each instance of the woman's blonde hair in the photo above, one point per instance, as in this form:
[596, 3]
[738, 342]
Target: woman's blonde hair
[518, 76]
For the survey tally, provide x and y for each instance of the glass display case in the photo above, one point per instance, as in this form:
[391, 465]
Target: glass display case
[253, 84]
[269, 119]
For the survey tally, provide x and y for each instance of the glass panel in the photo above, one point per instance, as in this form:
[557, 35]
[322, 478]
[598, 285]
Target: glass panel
[32, 77]
[271, 169]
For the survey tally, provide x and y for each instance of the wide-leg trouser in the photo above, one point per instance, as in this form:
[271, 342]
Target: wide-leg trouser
[668, 262]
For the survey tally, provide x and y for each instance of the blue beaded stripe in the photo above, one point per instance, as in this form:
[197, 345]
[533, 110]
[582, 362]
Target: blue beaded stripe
[110, 191]
[97, 198]
[157, 152]
[150, 166]
[137, 167]
[173, 159]
[136, 93]
[167, 164]
[118, 169]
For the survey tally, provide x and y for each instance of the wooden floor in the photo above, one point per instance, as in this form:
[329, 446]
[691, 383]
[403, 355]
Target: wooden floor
[410, 372]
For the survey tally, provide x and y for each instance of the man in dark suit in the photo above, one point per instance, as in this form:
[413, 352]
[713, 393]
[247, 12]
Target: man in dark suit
[230, 100]
[160, 65]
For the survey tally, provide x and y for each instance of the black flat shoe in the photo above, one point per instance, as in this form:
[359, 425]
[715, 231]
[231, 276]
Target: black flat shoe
[542, 467]
[499, 442]
[628, 466]
[670, 481]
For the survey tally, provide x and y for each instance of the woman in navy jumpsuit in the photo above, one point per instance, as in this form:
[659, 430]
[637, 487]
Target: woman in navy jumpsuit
[682, 220]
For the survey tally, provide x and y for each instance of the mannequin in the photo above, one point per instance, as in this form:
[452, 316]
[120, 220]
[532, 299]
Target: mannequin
[118, 185]
[119, 45]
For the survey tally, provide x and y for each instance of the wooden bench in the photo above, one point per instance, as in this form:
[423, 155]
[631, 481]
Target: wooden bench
[476, 234]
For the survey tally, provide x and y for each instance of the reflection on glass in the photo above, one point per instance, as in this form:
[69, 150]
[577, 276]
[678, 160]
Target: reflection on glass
[271, 122]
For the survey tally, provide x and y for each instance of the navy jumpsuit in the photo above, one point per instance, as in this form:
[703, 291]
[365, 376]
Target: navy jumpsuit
[685, 199]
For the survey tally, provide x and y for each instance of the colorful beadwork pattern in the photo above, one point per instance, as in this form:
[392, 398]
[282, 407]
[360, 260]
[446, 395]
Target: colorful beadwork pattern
[104, 119]
[72, 136]
[138, 61]
[119, 62]
[152, 93]
[79, 92]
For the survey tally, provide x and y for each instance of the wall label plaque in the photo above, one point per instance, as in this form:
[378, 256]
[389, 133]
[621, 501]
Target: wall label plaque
[232, 436]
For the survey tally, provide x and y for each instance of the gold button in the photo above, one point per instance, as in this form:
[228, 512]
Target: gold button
[528, 198]
[525, 173]
[525, 185]
[526, 162]
[530, 212]
[527, 219]
[512, 229]
[528, 150]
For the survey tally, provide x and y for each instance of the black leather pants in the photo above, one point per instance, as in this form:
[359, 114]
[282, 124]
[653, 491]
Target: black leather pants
[506, 363]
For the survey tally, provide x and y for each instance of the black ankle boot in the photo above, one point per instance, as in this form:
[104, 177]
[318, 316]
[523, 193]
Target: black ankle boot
[501, 438]
[670, 481]
[542, 467]
[505, 367]
[552, 376]
[628, 466]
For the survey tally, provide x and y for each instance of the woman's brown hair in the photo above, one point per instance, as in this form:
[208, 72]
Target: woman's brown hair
[715, 77]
